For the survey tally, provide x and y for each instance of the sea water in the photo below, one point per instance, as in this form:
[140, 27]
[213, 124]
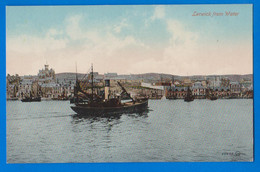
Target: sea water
[170, 131]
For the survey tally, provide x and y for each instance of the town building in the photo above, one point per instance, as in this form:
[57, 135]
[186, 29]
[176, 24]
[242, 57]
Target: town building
[198, 90]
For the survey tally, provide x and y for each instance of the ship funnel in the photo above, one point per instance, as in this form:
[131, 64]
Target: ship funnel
[107, 89]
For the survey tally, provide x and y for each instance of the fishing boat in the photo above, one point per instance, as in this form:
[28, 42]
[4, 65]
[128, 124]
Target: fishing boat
[189, 96]
[103, 105]
[12, 99]
[31, 98]
[61, 98]
[210, 95]
[170, 94]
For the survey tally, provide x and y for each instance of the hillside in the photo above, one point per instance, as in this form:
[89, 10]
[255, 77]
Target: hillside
[158, 76]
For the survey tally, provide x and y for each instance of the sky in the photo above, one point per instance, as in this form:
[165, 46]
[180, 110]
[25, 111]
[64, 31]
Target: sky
[130, 39]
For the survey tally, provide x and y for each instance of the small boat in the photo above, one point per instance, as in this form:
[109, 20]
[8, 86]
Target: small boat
[31, 99]
[60, 99]
[213, 97]
[170, 95]
[12, 99]
[99, 105]
[189, 97]
[210, 95]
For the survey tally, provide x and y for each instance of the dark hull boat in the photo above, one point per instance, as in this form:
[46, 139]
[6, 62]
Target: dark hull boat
[189, 97]
[213, 97]
[107, 104]
[31, 99]
[124, 108]
[61, 99]
[12, 99]
[210, 96]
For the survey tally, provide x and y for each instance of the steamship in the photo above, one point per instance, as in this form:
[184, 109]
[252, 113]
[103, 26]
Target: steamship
[97, 104]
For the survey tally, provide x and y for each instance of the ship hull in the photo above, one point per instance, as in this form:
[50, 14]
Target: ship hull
[188, 99]
[12, 99]
[37, 99]
[134, 108]
[213, 98]
[171, 98]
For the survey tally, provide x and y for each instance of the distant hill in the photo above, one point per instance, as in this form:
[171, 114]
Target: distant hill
[69, 75]
[158, 76]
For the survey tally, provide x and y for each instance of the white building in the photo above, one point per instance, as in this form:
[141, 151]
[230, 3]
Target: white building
[235, 87]
[198, 89]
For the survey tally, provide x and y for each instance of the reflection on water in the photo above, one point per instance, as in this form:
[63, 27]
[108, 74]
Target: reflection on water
[107, 119]
[143, 112]
[202, 130]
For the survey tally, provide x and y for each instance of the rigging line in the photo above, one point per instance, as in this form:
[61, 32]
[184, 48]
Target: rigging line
[87, 74]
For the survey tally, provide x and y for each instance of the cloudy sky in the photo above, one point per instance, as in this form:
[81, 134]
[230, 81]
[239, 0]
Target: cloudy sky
[130, 39]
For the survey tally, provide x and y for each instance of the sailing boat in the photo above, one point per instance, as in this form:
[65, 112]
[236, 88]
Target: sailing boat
[14, 94]
[170, 95]
[210, 96]
[189, 96]
[30, 98]
[101, 105]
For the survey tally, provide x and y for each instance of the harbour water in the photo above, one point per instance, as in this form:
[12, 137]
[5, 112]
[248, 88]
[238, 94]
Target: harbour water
[172, 130]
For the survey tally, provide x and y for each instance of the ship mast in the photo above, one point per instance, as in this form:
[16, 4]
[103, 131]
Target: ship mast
[77, 84]
[92, 83]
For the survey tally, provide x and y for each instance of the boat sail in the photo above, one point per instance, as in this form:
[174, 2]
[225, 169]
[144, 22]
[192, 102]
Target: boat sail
[189, 96]
[105, 104]
[32, 98]
[210, 95]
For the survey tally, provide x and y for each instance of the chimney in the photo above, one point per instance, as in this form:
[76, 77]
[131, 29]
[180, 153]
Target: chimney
[107, 89]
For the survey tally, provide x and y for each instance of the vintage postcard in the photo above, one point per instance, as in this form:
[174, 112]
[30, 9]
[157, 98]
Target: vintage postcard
[129, 83]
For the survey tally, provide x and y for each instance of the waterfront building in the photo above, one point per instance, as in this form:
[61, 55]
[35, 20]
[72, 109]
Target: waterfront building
[198, 90]
[235, 88]
[180, 92]
[51, 90]
[25, 87]
[220, 92]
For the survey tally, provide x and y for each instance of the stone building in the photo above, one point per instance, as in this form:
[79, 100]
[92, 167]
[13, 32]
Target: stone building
[46, 73]
[198, 90]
